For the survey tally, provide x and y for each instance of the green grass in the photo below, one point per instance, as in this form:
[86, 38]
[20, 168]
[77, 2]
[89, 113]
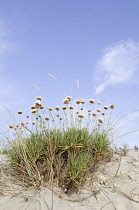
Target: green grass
[60, 145]
[125, 149]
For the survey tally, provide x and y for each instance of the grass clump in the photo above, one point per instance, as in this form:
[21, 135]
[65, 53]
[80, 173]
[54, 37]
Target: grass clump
[125, 149]
[60, 145]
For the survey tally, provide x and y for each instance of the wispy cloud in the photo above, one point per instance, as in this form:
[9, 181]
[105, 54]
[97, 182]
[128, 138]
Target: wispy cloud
[118, 64]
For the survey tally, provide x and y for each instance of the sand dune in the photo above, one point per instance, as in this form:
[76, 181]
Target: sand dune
[114, 185]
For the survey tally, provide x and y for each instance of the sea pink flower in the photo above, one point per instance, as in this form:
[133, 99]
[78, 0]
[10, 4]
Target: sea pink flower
[33, 107]
[41, 107]
[64, 107]
[80, 115]
[38, 103]
[19, 112]
[100, 120]
[39, 98]
[106, 107]
[57, 108]
[98, 110]
[82, 101]
[91, 101]
[66, 101]
[112, 106]
[34, 111]
[78, 102]
[11, 126]
[69, 98]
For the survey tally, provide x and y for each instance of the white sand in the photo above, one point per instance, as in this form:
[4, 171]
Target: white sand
[116, 185]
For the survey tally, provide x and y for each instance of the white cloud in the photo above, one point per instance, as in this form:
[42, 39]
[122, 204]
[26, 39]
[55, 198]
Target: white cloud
[118, 64]
[100, 88]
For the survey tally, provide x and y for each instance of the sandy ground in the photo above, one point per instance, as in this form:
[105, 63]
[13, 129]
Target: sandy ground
[115, 185]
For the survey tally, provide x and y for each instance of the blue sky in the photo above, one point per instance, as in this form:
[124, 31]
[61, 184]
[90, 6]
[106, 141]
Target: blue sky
[95, 41]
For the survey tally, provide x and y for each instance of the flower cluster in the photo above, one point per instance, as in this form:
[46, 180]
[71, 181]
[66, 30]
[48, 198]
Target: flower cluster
[72, 113]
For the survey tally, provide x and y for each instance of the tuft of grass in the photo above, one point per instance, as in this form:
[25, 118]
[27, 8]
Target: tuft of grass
[102, 143]
[125, 149]
[77, 168]
[61, 144]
